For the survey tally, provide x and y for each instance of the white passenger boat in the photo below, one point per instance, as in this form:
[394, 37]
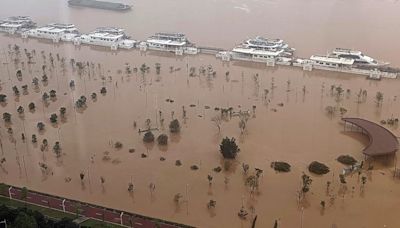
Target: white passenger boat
[55, 32]
[261, 43]
[170, 42]
[320, 61]
[108, 37]
[253, 55]
[16, 24]
[358, 57]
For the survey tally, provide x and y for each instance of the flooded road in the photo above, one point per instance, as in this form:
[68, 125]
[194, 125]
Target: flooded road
[289, 121]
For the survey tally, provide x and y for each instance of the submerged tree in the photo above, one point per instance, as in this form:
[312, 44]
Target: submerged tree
[53, 94]
[229, 148]
[148, 137]
[162, 139]
[103, 90]
[174, 126]
[306, 180]
[63, 110]
[40, 126]
[53, 118]
[45, 97]
[82, 176]
[31, 106]
[20, 110]
[35, 81]
[16, 91]
[3, 98]
[34, 138]
[93, 96]
[209, 178]
[7, 117]
[379, 98]
[57, 149]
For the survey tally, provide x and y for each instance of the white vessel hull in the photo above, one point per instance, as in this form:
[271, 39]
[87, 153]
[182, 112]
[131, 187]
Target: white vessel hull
[178, 50]
[114, 45]
[55, 38]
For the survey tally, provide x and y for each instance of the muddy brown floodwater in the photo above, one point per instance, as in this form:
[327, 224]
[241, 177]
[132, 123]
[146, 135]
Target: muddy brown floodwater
[298, 132]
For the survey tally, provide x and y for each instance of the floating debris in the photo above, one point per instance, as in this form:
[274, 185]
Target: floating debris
[194, 167]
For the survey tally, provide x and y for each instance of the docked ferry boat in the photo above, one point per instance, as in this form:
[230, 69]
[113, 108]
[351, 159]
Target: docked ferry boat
[108, 37]
[55, 32]
[16, 24]
[171, 42]
[320, 61]
[358, 57]
[274, 45]
[260, 49]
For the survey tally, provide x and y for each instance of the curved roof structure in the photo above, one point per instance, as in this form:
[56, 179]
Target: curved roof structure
[381, 140]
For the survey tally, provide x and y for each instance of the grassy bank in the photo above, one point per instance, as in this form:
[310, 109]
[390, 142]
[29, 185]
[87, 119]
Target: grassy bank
[54, 214]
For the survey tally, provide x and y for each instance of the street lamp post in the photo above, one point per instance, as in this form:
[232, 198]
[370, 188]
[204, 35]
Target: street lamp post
[120, 218]
[63, 205]
[9, 192]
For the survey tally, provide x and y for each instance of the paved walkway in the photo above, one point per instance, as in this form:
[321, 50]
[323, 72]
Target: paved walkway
[381, 140]
[92, 211]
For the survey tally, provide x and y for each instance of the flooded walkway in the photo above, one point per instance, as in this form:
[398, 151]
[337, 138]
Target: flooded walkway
[381, 140]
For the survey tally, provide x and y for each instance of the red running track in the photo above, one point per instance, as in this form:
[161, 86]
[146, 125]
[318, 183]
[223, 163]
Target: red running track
[90, 211]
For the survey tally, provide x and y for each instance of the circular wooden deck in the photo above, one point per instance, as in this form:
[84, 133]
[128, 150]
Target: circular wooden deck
[381, 140]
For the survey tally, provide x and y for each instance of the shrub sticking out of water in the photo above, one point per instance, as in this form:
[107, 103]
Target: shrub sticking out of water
[318, 168]
[143, 155]
[162, 139]
[148, 137]
[217, 169]
[347, 160]
[118, 145]
[103, 91]
[174, 126]
[281, 166]
[229, 148]
[178, 163]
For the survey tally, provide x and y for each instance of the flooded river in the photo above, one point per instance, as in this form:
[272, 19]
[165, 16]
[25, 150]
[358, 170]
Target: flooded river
[289, 121]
